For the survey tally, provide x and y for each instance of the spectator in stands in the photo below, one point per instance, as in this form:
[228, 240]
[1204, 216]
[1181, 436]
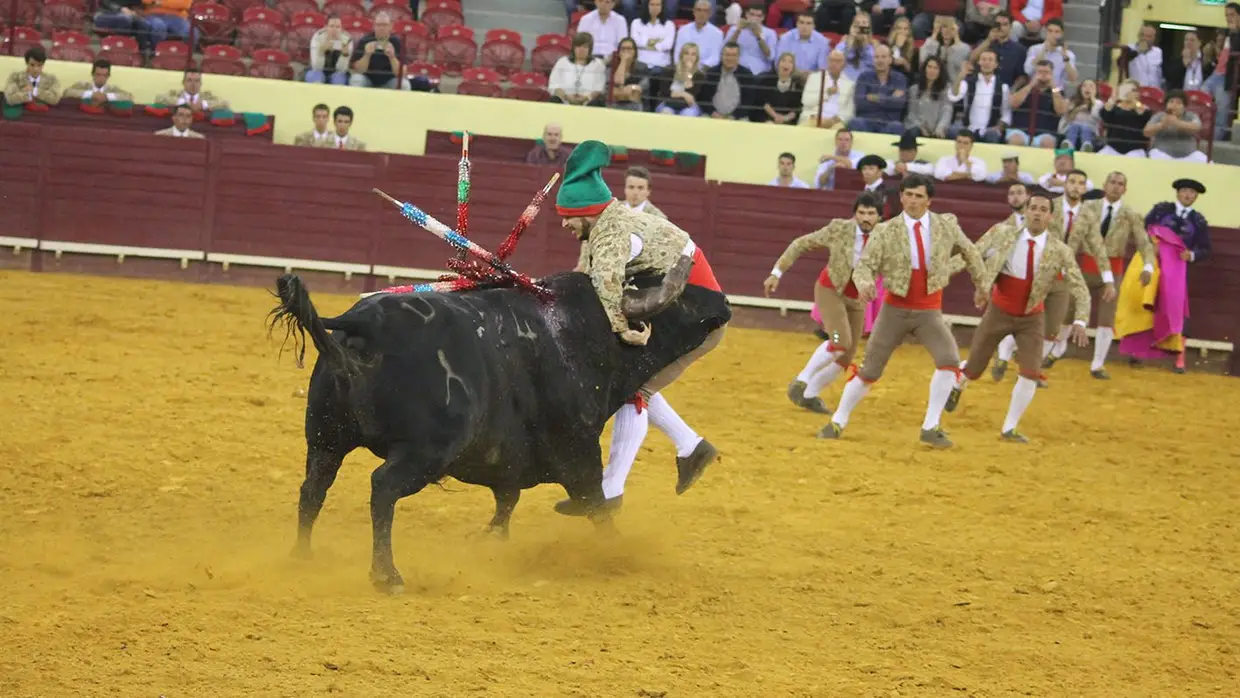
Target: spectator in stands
[1063, 61]
[963, 165]
[167, 19]
[98, 91]
[579, 77]
[872, 168]
[1036, 109]
[786, 176]
[755, 40]
[1145, 64]
[1188, 70]
[858, 48]
[808, 48]
[881, 97]
[701, 33]
[844, 156]
[1081, 124]
[655, 36]
[682, 84]
[607, 27]
[321, 114]
[342, 139]
[923, 24]
[182, 119]
[835, 15]
[191, 93]
[32, 85]
[885, 13]
[727, 93]
[837, 103]
[906, 158]
[1219, 84]
[1010, 172]
[330, 48]
[1174, 131]
[779, 93]
[1009, 52]
[945, 44]
[551, 151]
[376, 56]
[1124, 116]
[903, 48]
[1033, 17]
[929, 110]
[632, 9]
[987, 108]
[630, 78]
[979, 19]
[125, 17]
[1055, 180]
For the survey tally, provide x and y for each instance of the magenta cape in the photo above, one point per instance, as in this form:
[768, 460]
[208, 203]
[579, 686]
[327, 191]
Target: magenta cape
[1169, 308]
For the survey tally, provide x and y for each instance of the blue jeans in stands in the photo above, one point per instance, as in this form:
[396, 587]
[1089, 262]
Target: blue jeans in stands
[338, 77]
[135, 26]
[1215, 86]
[164, 27]
[990, 135]
[1080, 134]
[875, 126]
[691, 110]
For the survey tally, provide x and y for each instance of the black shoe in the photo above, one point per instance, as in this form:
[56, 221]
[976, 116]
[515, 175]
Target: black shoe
[580, 507]
[690, 468]
[998, 370]
[953, 400]
[821, 334]
[1049, 361]
[1101, 375]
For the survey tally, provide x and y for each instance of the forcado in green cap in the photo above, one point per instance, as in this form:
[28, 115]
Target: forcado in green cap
[583, 192]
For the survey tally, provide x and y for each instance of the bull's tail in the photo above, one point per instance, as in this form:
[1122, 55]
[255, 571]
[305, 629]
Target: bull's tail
[298, 315]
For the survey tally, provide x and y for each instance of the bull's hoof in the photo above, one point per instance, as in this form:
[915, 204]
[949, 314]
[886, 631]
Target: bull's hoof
[385, 583]
[496, 532]
[581, 507]
[301, 552]
[690, 468]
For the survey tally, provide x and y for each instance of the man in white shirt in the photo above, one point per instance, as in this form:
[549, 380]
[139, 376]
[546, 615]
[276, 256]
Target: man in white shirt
[844, 156]
[786, 177]
[987, 102]
[182, 117]
[607, 27]
[835, 92]
[1146, 65]
[700, 31]
[963, 165]
[1021, 263]
[1066, 225]
[756, 40]
[1063, 61]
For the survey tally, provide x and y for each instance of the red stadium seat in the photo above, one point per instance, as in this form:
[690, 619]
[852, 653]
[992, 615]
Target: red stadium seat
[429, 71]
[301, 29]
[502, 35]
[548, 49]
[213, 21]
[261, 28]
[264, 15]
[479, 89]
[442, 13]
[1202, 104]
[291, 8]
[553, 40]
[222, 65]
[357, 25]
[120, 50]
[231, 53]
[573, 20]
[172, 55]
[505, 54]
[481, 75]
[1152, 97]
[528, 79]
[239, 6]
[344, 8]
[24, 38]
[71, 46]
[26, 14]
[530, 87]
[395, 9]
[62, 14]
[455, 49]
[1104, 91]
[416, 38]
[271, 63]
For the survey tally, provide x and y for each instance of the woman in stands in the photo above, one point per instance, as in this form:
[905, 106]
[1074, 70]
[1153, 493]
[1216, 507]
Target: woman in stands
[630, 78]
[682, 84]
[780, 93]
[858, 47]
[654, 35]
[1125, 117]
[1081, 125]
[903, 47]
[929, 110]
[1191, 68]
[579, 77]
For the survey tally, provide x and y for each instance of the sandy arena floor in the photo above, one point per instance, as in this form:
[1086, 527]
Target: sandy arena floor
[154, 449]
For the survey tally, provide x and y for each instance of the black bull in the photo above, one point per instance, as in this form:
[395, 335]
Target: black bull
[490, 387]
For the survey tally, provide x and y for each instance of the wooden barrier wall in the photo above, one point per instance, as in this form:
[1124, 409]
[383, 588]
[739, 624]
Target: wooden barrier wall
[249, 202]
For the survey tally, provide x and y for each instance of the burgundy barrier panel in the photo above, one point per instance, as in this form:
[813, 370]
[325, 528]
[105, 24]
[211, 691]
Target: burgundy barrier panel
[245, 196]
[509, 149]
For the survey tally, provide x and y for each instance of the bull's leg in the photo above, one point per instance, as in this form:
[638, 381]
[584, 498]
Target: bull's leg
[321, 468]
[505, 502]
[405, 472]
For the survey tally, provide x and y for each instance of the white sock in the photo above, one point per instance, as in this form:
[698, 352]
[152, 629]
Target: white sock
[1022, 395]
[1061, 343]
[961, 380]
[1047, 345]
[941, 385]
[627, 434]
[823, 355]
[854, 390]
[665, 419]
[1102, 345]
[822, 379]
[1007, 348]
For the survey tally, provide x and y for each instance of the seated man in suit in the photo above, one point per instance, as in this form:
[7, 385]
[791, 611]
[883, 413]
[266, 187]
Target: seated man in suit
[182, 119]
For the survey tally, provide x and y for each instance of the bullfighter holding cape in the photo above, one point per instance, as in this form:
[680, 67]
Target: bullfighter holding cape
[624, 242]
[1150, 319]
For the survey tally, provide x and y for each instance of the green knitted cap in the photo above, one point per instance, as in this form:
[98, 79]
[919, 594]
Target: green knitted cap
[583, 192]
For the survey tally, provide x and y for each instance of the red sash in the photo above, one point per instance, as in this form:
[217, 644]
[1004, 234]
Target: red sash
[1089, 266]
[824, 280]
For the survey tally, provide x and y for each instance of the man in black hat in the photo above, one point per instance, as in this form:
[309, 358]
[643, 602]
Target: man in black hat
[907, 160]
[871, 168]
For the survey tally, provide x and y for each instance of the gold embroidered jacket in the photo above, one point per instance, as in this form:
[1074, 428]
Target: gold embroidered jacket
[1126, 226]
[114, 93]
[583, 260]
[49, 88]
[890, 254]
[996, 248]
[1082, 238]
[839, 237]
